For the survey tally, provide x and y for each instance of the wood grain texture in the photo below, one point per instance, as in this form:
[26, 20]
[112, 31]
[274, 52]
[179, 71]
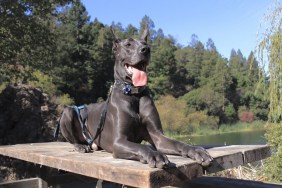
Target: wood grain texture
[102, 165]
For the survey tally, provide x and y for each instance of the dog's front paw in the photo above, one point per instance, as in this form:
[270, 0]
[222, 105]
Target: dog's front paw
[155, 159]
[199, 154]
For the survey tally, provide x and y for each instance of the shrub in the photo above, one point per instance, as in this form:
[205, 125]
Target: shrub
[274, 163]
[204, 99]
[230, 113]
[2, 86]
[64, 99]
[246, 117]
[171, 111]
[42, 81]
[200, 119]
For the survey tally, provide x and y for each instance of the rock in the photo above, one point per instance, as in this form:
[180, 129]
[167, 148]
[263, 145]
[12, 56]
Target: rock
[26, 116]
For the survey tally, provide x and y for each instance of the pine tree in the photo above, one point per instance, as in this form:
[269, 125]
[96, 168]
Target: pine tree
[194, 66]
[74, 69]
[103, 64]
[131, 31]
[210, 58]
[183, 81]
[162, 67]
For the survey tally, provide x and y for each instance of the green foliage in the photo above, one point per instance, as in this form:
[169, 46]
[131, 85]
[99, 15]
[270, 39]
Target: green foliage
[55, 46]
[204, 99]
[162, 66]
[274, 163]
[270, 50]
[230, 113]
[172, 114]
[64, 99]
[84, 56]
[2, 86]
[229, 128]
[42, 81]
[200, 120]
[25, 34]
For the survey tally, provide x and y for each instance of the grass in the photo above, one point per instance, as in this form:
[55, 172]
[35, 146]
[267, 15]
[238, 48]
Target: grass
[224, 128]
[229, 128]
[251, 171]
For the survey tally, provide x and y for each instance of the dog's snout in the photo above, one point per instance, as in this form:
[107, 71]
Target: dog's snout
[144, 50]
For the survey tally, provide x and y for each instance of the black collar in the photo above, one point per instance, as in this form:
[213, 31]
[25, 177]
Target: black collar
[128, 89]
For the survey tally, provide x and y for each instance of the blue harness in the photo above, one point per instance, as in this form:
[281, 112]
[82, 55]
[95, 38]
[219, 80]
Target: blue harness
[127, 89]
[83, 124]
[82, 121]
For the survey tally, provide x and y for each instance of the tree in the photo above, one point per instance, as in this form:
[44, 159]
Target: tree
[210, 46]
[238, 68]
[183, 80]
[162, 67]
[73, 64]
[194, 41]
[103, 64]
[27, 36]
[195, 63]
[270, 50]
[131, 31]
[210, 58]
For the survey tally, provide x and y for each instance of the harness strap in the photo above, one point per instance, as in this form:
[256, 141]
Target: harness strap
[128, 89]
[56, 133]
[83, 124]
[102, 118]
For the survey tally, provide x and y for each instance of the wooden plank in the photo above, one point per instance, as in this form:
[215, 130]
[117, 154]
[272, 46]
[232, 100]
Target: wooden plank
[227, 157]
[253, 153]
[224, 159]
[101, 164]
[30, 183]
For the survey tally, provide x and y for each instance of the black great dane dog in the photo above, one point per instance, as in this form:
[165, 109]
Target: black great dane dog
[129, 115]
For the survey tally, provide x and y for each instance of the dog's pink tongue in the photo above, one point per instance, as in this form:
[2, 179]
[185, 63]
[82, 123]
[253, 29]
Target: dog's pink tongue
[139, 77]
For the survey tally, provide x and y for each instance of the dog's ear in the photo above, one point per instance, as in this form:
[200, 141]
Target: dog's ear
[116, 39]
[145, 33]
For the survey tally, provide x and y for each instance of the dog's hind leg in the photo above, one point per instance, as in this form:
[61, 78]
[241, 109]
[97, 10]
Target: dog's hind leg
[72, 131]
[82, 148]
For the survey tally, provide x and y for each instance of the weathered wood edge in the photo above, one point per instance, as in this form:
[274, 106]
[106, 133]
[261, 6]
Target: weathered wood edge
[243, 154]
[101, 171]
[256, 154]
[233, 156]
[175, 175]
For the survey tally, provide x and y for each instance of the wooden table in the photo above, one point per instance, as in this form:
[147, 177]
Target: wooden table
[102, 165]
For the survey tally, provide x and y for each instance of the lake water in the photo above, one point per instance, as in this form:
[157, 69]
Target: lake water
[237, 138]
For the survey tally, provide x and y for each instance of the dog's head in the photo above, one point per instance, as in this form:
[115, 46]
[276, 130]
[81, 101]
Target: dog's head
[132, 58]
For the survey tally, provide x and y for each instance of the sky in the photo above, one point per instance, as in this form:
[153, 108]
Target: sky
[231, 24]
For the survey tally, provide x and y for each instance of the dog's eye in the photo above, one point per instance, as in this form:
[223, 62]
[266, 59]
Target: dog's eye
[128, 44]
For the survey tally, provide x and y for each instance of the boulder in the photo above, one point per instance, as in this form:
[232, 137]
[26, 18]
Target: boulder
[27, 115]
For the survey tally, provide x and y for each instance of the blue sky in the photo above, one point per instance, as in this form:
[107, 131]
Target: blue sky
[229, 23]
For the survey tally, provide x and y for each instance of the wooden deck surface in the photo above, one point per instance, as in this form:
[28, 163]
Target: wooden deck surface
[102, 165]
